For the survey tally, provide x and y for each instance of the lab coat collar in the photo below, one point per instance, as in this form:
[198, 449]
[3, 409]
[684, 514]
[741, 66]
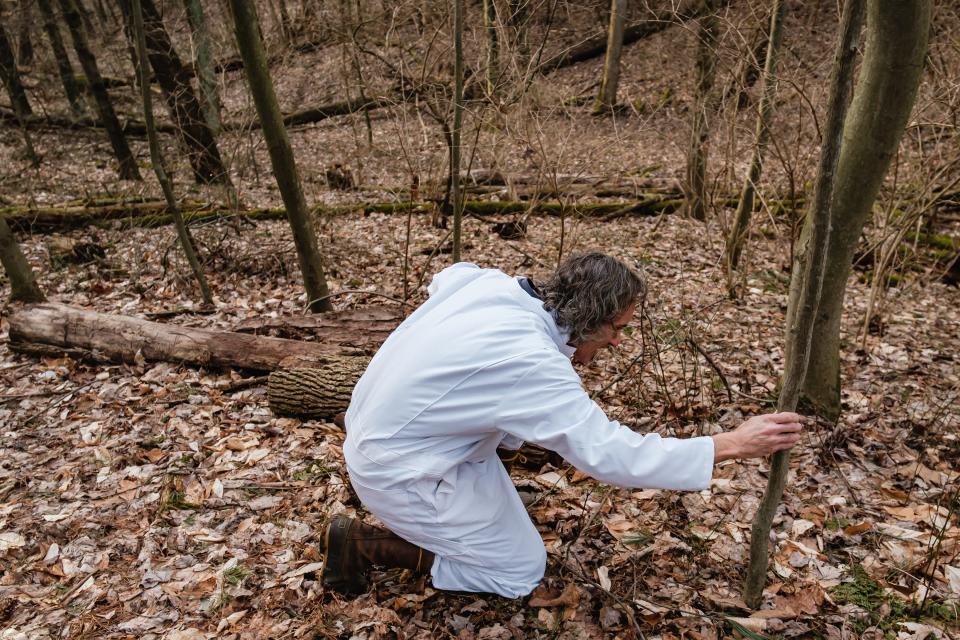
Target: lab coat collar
[560, 336]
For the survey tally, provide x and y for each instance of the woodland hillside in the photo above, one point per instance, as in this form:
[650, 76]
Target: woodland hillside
[157, 491]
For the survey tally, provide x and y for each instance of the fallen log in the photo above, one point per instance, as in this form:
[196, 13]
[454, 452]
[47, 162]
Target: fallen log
[324, 392]
[315, 392]
[596, 45]
[36, 121]
[50, 327]
[374, 324]
[137, 128]
[154, 213]
[316, 114]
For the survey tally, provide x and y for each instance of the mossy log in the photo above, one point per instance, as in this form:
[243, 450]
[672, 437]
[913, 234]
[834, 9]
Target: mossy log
[153, 213]
[315, 392]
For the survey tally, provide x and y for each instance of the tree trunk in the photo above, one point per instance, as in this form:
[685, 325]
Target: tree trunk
[493, 46]
[8, 68]
[157, 158]
[896, 45]
[807, 280]
[11, 76]
[193, 131]
[316, 392]
[741, 221]
[695, 186]
[127, 163]
[85, 18]
[281, 154]
[52, 327]
[67, 77]
[203, 63]
[519, 24]
[607, 96]
[457, 125]
[25, 43]
[23, 286]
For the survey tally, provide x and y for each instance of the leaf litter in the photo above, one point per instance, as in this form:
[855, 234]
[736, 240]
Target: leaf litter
[146, 500]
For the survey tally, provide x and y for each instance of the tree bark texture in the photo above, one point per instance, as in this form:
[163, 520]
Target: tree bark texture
[156, 157]
[185, 111]
[896, 45]
[607, 96]
[458, 8]
[11, 76]
[808, 274]
[695, 186]
[281, 154]
[127, 163]
[64, 68]
[23, 285]
[741, 220]
[55, 327]
[315, 392]
[203, 63]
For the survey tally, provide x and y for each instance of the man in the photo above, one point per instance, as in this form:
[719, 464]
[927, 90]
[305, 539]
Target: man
[485, 363]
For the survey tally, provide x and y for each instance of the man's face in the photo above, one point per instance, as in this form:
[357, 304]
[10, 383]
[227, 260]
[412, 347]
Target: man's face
[606, 336]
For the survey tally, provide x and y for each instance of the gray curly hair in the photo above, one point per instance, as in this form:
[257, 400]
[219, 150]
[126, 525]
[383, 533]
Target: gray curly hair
[589, 290]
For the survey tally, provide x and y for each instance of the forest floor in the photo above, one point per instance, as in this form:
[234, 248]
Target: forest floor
[146, 501]
[149, 501]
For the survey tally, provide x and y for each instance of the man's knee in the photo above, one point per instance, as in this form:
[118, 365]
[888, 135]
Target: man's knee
[529, 566]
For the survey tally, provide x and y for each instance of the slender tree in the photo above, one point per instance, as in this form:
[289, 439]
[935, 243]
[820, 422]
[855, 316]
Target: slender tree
[741, 221]
[25, 44]
[518, 23]
[808, 275]
[127, 163]
[607, 96]
[695, 185]
[493, 46]
[174, 79]
[18, 97]
[896, 46]
[11, 76]
[65, 69]
[247, 29]
[157, 158]
[23, 286]
[204, 64]
[457, 126]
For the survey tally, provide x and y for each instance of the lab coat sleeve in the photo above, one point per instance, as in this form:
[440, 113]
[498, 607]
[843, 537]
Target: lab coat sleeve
[549, 407]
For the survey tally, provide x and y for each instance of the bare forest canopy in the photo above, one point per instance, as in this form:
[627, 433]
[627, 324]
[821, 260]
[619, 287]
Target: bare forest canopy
[182, 182]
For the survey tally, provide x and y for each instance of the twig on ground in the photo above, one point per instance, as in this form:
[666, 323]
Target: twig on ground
[706, 356]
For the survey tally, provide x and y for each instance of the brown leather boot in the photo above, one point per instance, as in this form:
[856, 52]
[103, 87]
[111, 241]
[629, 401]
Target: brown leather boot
[529, 456]
[354, 547]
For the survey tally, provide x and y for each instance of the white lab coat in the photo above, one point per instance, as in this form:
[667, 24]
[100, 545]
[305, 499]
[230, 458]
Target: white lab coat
[482, 364]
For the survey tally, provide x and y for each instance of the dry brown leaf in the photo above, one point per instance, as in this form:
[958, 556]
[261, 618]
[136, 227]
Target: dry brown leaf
[569, 597]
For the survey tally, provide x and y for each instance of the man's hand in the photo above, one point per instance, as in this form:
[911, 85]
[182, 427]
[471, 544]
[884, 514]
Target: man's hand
[759, 436]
